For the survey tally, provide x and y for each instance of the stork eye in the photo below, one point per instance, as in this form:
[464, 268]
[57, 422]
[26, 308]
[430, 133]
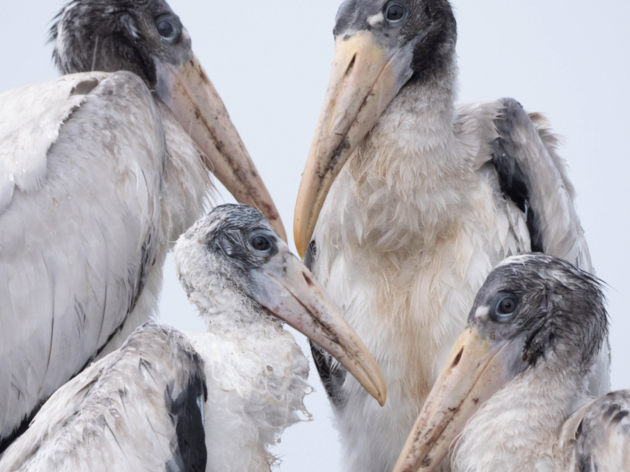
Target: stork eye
[167, 29]
[505, 308]
[395, 13]
[260, 243]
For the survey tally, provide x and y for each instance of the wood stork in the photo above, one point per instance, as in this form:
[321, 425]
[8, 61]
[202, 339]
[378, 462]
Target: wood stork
[515, 385]
[98, 172]
[409, 200]
[150, 405]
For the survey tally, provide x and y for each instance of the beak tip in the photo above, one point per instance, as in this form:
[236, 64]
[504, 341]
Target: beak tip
[301, 253]
[302, 233]
[299, 243]
[383, 398]
[380, 393]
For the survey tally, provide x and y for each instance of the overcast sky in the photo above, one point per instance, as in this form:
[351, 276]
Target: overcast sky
[270, 61]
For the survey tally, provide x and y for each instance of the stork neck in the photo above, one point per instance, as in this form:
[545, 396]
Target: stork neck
[224, 308]
[419, 122]
[408, 171]
[516, 428]
[413, 143]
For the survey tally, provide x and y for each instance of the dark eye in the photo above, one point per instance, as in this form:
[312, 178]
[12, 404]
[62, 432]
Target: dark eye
[395, 12]
[167, 29]
[505, 308]
[260, 243]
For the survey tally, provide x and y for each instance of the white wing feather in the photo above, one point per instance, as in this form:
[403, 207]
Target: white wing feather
[597, 436]
[119, 414]
[551, 194]
[81, 165]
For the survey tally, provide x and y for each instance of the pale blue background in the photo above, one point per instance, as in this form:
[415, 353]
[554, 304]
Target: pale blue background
[270, 62]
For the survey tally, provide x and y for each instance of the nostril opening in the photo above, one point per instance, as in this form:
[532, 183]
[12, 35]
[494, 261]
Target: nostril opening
[458, 358]
[309, 282]
[351, 66]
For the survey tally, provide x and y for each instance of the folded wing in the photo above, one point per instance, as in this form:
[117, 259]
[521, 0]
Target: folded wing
[140, 408]
[81, 169]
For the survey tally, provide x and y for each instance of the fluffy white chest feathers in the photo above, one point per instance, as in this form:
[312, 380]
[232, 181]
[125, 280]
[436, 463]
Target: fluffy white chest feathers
[408, 234]
[256, 378]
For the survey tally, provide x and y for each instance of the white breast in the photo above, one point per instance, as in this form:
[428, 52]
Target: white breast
[256, 377]
[406, 238]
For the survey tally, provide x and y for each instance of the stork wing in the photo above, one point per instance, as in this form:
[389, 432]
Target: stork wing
[532, 176]
[81, 164]
[139, 408]
[599, 434]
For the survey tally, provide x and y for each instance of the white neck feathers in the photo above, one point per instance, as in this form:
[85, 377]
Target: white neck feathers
[517, 428]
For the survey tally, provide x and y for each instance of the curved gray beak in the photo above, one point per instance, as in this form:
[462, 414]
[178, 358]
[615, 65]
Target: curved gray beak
[290, 292]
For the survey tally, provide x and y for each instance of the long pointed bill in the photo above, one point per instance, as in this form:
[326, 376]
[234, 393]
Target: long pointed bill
[475, 369]
[365, 78]
[200, 111]
[290, 292]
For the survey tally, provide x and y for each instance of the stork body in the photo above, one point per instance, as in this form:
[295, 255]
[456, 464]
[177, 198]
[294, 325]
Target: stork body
[97, 177]
[166, 401]
[411, 200]
[254, 394]
[514, 391]
[537, 428]
[210, 401]
[137, 408]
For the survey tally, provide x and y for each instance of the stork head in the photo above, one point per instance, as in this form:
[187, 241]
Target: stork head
[146, 37]
[232, 261]
[534, 313]
[381, 47]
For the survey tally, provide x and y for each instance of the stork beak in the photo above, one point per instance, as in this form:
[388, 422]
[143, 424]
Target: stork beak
[192, 98]
[366, 76]
[290, 292]
[476, 368]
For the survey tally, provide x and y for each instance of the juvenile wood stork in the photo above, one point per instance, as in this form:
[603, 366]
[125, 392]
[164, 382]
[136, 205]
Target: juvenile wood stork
[515, 385]
[98, 172]
[150, 405]
[408, 201]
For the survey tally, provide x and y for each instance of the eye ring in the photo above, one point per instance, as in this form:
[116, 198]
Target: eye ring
[395, 13]
[505, 308]
[168, 29]
[261, 243]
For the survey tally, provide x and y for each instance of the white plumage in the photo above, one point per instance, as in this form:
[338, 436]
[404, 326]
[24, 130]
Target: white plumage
[97, 179]
[420, 198]
[212, 401]
[514, 391]
[116, 415]
[256, 378]
[85, 228]
[119, 414]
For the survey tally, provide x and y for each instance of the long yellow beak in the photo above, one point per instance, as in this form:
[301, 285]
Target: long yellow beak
[290, 292]
[473, 372]
[365, 78]
[201, 112]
